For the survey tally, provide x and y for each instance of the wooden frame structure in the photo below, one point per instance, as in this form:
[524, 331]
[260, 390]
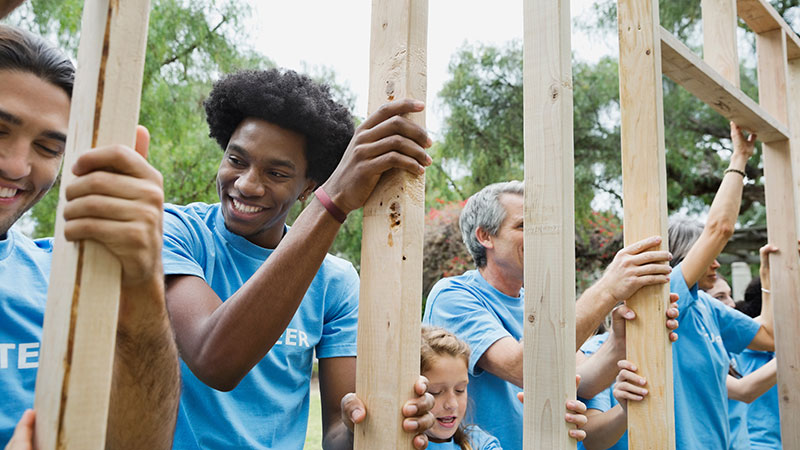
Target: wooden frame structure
[74, 378]
[647, 50]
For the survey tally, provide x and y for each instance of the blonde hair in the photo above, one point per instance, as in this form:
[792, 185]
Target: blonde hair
[438, 342]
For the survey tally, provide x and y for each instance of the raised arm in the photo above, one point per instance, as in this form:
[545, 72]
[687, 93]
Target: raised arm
[222, 341]
[723, 212]
[6, 6]
[765, 337]
[117, 200]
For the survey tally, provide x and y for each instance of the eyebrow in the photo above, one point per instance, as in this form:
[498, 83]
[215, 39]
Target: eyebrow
[15, 120]
[275, 162]
[8, 117]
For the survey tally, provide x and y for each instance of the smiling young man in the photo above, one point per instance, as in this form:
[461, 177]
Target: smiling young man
[116, 200]
[253, 301]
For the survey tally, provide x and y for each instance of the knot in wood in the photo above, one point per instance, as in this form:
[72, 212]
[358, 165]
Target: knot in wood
[394, 215]
[531, 318]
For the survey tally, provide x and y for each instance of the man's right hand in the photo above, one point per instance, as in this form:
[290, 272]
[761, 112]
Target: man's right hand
[385, 140]
[635, 266]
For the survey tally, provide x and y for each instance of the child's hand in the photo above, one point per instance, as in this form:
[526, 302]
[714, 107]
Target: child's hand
[628, 385]
[576, 413]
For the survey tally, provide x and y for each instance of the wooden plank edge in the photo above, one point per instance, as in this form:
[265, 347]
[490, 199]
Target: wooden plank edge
[750, 116]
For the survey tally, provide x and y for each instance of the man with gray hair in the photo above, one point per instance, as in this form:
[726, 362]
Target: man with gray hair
[485, 307]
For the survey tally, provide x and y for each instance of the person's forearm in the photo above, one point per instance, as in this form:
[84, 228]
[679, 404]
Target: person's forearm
[605, 429]
[590, 310]
[238, 334]
[753, 385]
[146, 382]
[598, 372]
[767, 317]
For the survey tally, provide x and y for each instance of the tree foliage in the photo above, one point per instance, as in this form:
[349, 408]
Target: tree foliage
[483, 131]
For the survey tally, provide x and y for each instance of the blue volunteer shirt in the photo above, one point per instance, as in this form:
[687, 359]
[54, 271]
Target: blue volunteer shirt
[24, 274]
[709, 331]
[737, 417]
[478, 439]
[480, 315]
[763, 419]
[604, 400]
[269, 407]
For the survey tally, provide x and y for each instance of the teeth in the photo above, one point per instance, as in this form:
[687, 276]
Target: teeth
[247, 209]
[7, 192]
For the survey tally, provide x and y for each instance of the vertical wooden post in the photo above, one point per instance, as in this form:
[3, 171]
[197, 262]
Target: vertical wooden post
[794, 125]
[719, 38]
[782, 231]
[74, 378]
[651, 421]
[391, 249]
[549, 333]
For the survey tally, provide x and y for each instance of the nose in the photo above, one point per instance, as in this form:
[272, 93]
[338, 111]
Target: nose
[15, 161]
[715, 265]
[249, 184]
[450, 403]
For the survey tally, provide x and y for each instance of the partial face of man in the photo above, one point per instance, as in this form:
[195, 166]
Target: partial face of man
[508, 243]
[262, 174]
[34, 117]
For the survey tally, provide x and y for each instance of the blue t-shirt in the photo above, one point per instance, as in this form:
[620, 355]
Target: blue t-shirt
[709, 331]
[604, 400]
[480, 315]
[763, 419]
[269, 407]
[737, 416]
[24, 274]
[478, 439]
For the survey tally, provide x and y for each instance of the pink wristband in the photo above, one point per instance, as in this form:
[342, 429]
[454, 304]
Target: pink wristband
[326, 201]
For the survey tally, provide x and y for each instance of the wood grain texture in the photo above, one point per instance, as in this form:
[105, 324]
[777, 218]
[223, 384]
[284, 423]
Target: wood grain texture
[782, 232]
[685, 68]
[761, 17]
[719, 38]
[651, 422]
[74, 377]
[391, 249]
[549, 325]
[794, 122]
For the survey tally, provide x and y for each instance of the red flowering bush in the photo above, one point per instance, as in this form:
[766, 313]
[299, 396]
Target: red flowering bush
[445, 254]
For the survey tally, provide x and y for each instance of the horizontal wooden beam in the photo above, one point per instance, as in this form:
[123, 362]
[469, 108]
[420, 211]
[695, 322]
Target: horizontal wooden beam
[684, 67]
[761, 17]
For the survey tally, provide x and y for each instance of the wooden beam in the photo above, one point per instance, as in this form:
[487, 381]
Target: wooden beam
[761, 17]
[651, 422]
[782, 232]
[74, 377]
[720, 50]
[696, 76]
[794, 122]
[549, 326]
[391, 249]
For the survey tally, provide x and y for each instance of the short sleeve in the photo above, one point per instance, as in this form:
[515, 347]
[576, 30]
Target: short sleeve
[182, 250]
[736, 328]
[458, 310]
[341, 314]
[677, 285]
[601, 401]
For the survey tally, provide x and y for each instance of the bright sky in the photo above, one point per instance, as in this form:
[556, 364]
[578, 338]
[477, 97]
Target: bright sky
[336, 34]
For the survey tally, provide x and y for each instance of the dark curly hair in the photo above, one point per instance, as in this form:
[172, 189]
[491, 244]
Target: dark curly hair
[23, 51]
[289, 100]
[751, 305]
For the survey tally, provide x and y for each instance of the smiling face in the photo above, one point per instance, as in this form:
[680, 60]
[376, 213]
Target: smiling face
[447, 382]
[722, 292]
[262, 174]
[34, 117]
[507, 246]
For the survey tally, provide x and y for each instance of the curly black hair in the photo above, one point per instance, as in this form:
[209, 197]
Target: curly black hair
[289, 100]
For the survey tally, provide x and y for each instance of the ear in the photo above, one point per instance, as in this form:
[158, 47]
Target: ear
[308, 190]
[484, 237]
